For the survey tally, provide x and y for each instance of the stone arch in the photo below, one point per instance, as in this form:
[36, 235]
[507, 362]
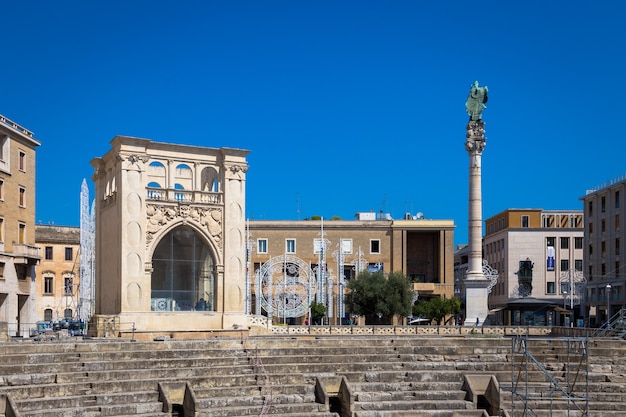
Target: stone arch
[184, 271]
[210, 241]
[210, 180]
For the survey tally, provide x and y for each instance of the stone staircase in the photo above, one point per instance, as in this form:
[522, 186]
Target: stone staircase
[325, 376]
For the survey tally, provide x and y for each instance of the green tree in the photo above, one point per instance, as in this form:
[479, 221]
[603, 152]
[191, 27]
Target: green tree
[318, 310]
[437, 308]
[376, 296]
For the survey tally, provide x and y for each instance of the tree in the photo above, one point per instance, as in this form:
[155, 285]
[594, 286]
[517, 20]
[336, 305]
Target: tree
[374, 296]
[318, 310]
[437, 308]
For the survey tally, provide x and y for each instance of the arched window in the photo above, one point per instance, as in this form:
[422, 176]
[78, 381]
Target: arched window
[183, 171]
[153, 193]
[179, 196]
[210, 180]
[156, 169]
[183, 273]
[67, 314]
[47, 314]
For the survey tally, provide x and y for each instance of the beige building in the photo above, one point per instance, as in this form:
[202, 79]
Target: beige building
[539, 258]
[604, 250]
[420, 249]
[18, 253]
[58, 277]
[170, 233]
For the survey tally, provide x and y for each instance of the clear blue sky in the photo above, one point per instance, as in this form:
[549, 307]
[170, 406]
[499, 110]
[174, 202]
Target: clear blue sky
[346, 106]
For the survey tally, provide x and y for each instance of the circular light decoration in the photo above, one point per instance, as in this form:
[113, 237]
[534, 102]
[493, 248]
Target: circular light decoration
[287, 286]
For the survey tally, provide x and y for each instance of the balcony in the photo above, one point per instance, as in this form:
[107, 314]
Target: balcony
[183, 196]
[26, 254]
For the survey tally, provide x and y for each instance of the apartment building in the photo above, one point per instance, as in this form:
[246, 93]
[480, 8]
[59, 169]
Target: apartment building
[539, 258]
[18, 253]
[604, 250]
[292, 261]
[58, 277]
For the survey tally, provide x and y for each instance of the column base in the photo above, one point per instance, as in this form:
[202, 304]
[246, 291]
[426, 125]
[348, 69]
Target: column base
[476, 305]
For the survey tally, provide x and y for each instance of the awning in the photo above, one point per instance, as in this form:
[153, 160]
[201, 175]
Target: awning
[495, 310]
[562, 310]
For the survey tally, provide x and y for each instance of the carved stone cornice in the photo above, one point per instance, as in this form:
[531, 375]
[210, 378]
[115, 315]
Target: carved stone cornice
[236, 172]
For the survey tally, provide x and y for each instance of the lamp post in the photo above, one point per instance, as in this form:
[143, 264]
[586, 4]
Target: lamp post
[608, 305]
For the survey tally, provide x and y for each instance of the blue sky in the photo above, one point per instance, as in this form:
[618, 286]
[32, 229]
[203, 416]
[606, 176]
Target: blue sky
[346, 106]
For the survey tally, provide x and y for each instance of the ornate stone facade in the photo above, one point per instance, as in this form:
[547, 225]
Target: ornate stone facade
[170, 221]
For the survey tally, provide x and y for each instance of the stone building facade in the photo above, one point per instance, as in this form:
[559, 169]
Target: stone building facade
[605, 238]
[170, 231]
[539, 258]
[58, 274]
[421, 249]
[18, 253]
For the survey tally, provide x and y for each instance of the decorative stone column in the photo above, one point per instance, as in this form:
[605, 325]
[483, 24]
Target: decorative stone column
[476, 283]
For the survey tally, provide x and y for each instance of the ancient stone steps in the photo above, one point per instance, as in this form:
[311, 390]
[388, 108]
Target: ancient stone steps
[421, 413]
[275, 409]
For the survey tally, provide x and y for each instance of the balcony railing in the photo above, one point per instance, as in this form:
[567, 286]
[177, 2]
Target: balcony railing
[183, 196]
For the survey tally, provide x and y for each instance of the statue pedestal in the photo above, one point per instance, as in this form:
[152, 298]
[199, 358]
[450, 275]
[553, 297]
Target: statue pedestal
[476, 294]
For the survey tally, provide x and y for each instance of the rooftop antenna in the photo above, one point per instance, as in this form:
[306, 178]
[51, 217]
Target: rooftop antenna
[298, 205]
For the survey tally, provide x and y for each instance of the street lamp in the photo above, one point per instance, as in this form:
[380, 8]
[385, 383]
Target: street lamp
[608, 305]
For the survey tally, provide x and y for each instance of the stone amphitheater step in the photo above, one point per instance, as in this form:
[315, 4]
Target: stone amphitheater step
[414, 405]
[275, 409]
[408, 395]
[421, 413]
[105, 368]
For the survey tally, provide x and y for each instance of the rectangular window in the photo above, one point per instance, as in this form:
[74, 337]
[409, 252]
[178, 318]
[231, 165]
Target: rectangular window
[374, 246]
[617, 248]
[48, 253]
[578, 243]
[22, 197]
[590, 228]
[1, 229]
[590, 249]
[22, 271]
[564, 265]
[617, 224]
[590, 209]
[525, 221]
[69, 254]
[22, 161]
[578, 264]
[550, 289]
[603, 248]
[261, 246]
[21, 233]
[616, 199]
[2, 270]
[603, 226]
[48, 285]
[318, 246]
[550, 241]
[603, 269]
[565, 243]
[47, 314]
[290, 246]
[346, 246]
[1, 189]
[590, 274]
